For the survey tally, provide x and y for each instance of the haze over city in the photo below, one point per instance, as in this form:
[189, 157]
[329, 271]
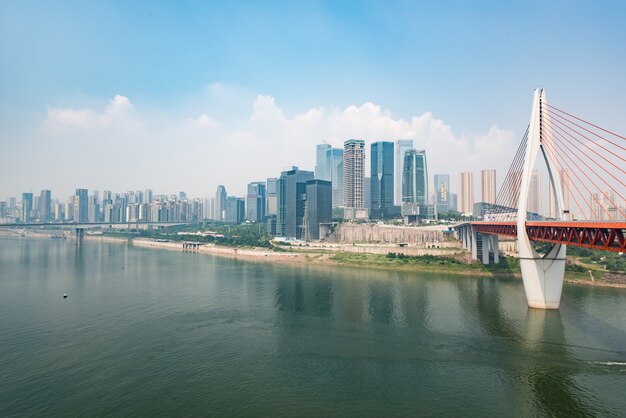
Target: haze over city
[186, 97]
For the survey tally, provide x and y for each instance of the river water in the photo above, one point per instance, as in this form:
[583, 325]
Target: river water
[148, 332]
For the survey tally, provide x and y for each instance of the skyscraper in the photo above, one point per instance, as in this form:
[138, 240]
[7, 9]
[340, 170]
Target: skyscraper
[322, 170]
[488, 186]
[220, 204]
[382, 184]
[353, 174]
[567, 215]
[255, 202]
[291, 202]
[466, 192]
[415, 177]
[402, 145]
[271, 205]
[81, 206]
[334, 160]
[442, 192]
[318, 207]
[27, 206]
[235, 210]
[45, 206]
[534, 193]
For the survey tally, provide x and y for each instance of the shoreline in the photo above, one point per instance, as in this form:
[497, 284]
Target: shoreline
[289, 257]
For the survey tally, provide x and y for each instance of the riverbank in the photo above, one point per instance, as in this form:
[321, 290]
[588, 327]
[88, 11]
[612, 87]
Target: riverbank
[375, 261]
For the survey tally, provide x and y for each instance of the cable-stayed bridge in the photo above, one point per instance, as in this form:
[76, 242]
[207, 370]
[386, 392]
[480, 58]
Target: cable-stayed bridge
[586, 167]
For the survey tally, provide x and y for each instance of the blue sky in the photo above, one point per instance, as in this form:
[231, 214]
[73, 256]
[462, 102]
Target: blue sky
[472, 65]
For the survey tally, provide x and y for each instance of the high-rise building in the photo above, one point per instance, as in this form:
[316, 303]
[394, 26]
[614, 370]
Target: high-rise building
[235, 210]
[271, 206]
[402, 145]
[567, 210]
[488, 186]
[415, 177]
[220, 204]
[334, 161]
[45, 206]
[442, 192]
[353, 174]
[454, 202]
[148, 196]
[255, 202]
[534, 193]
[81, 206]
[322, 170]
[605, 207]
[93, 211]
[367, 193]
[382, 184]
[27, 206]
[318, 207]
[466, 192]
[291, 202]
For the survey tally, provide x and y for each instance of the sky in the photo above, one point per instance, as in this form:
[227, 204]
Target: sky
[119, 95]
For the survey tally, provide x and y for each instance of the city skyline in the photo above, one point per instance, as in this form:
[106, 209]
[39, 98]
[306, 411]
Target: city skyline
[170, 115]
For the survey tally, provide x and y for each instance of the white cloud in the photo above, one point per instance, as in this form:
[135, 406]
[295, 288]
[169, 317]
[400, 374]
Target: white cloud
[196, 153]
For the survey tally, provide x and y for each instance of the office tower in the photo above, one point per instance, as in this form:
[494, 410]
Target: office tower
[12, 202]
[367, 193]
[415, 177]
[69, 209]
[235, 210]
[255, 202]
[322, 170]
[382, 184]
[3, 209]
[93, 211]
[272, 196]
[27, 206]
[318, 207]
[402, 145]
[534, 193]
[334, 161]
[353, 174]
[220, 203]
[81, 206]
[148, 196]
[59, 212]
[45, 206]
[454, 202]
[442, 192]
[466, 192]
[291, 202]
[567, 210]
[488, 186]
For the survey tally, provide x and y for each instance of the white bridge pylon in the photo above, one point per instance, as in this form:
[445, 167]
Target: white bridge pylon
[542, 275]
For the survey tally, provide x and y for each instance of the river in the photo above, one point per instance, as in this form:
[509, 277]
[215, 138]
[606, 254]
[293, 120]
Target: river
[149, 332]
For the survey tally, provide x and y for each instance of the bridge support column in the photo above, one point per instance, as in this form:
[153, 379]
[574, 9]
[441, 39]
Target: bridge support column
[485, 248]
[543, 278]
[496, 248]
[474, 244]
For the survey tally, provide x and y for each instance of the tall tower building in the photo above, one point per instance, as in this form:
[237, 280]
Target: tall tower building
[334, 161]
[271, 189]
[220, 204]
[568, 215]
[442, 192]
[45, 206]
[466, 192]
[534, 193]
[382, 184]
[402, 145]
[255, 202]
[488, 186]
[322, 170]
[27, 206]
[318, 207]
[81, 206]
[353, 174]
[415, 177]
[291, 202]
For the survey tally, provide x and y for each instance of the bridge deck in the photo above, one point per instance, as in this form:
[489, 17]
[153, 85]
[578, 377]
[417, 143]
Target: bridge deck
[607, 236]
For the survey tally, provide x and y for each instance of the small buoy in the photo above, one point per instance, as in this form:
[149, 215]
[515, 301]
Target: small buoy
[64, 295]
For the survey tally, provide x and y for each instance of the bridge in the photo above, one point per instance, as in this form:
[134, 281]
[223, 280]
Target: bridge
[80, 227]
[586, 166]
